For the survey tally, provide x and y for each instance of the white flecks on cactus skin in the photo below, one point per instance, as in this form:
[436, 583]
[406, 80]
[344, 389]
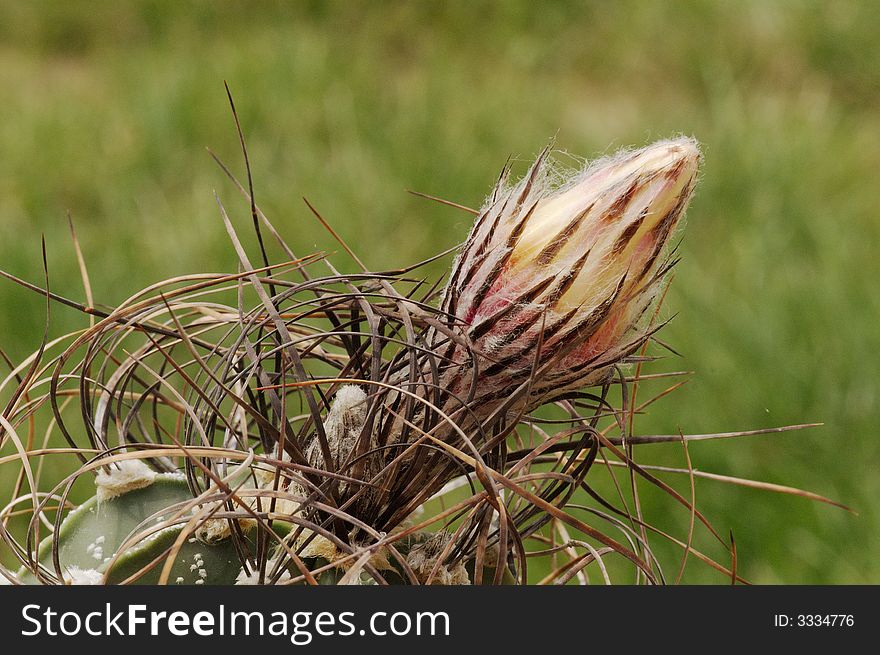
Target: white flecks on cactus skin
[96, 549]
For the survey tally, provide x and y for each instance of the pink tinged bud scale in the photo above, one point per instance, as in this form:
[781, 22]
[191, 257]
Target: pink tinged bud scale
[572, 268]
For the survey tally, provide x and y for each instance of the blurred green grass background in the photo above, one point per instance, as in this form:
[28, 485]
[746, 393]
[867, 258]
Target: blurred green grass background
[107, 109]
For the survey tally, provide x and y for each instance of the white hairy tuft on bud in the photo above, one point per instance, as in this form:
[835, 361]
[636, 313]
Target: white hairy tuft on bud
[342, 425]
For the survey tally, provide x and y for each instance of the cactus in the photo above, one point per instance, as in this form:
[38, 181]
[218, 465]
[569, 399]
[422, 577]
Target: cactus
[288, 425]
[90, 538]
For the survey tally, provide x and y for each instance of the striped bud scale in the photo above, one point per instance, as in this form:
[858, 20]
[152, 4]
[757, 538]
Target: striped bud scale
[553, 278]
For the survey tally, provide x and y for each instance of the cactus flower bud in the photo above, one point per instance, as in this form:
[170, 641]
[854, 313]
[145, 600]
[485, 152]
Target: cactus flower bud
[571, 267]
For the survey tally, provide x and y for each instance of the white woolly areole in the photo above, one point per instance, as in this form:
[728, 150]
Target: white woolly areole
[322, 548]
[78, 576]
[124, 476]
[244, 578]
[266, 475]
[422, 558]
[214, 531]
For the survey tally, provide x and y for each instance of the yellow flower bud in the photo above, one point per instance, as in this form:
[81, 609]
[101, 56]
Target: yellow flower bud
[571, 267]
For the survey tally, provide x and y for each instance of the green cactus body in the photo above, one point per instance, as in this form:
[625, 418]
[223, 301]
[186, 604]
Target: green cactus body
[90, 536]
